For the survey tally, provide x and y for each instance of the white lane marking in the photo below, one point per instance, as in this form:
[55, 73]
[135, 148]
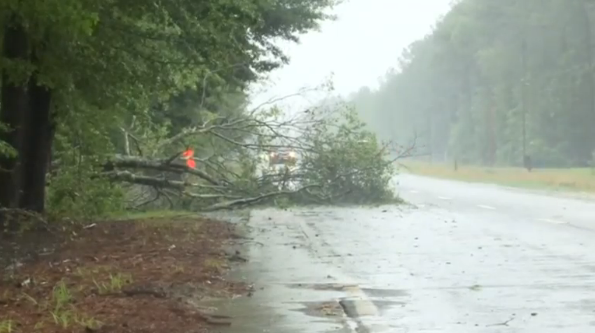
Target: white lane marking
[444, 198]
[413, 191]
[486, 207]
[551, 221]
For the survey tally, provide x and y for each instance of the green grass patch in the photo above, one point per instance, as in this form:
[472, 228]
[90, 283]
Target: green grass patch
[151, 214]
[571, 179]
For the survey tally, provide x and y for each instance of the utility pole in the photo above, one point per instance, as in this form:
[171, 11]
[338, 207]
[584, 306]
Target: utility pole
[588, 9]
[524, 82]
[523, 94]
[430, 131]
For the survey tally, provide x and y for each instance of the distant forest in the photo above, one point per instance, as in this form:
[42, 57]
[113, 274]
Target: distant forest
[495, 81]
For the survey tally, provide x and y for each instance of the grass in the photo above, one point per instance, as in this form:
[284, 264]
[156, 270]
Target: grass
[577, 179]
[64, 313]
[7, 326]
[151, 214]
[59, 305]
[114, 284]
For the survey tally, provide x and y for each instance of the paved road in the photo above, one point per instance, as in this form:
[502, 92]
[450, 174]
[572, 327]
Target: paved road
[469, 258]
[516, 204]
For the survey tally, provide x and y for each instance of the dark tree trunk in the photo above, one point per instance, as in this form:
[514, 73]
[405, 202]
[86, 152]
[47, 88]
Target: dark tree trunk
[15, 104]
[37, 149]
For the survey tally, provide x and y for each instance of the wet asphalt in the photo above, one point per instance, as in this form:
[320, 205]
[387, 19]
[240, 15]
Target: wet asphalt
[459, 258]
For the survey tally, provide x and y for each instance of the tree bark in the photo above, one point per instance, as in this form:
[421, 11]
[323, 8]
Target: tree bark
[37, 149]
[14, 101]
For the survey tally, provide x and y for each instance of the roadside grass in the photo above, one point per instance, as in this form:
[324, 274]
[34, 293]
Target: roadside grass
[572, 179]
[7, 326]
[150, 215]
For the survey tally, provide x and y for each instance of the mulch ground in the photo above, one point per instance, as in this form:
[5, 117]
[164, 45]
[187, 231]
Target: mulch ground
[133, 276]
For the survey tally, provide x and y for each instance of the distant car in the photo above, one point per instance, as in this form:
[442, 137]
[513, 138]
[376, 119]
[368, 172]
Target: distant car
[281, 161]
[288, 158]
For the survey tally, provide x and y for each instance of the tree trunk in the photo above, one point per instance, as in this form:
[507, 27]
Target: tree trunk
[14, 101]
[37, 149]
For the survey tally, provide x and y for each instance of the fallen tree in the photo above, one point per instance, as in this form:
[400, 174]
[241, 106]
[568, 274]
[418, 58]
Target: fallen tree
[339, 161]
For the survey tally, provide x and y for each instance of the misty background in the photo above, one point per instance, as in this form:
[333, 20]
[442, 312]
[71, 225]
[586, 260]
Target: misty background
[354, 50]
[481, 82]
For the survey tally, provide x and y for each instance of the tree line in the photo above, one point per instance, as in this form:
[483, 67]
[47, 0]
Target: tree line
[495, 83]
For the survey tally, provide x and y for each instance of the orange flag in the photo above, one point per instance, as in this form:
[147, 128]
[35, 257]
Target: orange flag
[191, 163]
[187, 155]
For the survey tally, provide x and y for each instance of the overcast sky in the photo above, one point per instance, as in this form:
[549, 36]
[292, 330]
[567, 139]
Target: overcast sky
[358, 48]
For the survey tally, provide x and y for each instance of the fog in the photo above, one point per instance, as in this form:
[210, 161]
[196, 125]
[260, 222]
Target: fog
[491, 84]
[354, 50]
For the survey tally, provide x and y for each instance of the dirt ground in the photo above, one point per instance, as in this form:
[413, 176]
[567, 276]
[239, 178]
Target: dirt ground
[128, 276]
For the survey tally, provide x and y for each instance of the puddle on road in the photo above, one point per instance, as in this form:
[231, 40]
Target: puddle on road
[383, 299]
[252, 316]
[287, 308]
[322, 309]
[370, 292]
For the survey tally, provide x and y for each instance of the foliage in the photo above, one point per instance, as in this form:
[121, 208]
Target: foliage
[138, 53]
[74, 188]
[118, 67]
[348, 160]
[494, 81]
[77, 193]
[6, 149]
[338, 161]
[134, 84]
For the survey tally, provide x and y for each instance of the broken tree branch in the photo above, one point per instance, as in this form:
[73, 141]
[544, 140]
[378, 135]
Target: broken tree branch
[253, 200]
[165, 165]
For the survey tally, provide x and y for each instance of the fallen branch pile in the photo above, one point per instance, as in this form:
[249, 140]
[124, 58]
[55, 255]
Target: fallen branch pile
[336, 157]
